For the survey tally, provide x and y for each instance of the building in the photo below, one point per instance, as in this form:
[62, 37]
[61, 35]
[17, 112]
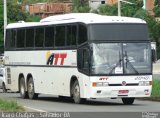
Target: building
[47, 9]
[149, 6]
[111, 2]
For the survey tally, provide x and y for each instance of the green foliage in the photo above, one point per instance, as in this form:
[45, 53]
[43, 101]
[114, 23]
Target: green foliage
[14, 13]
[156, 88]
[108, 10]
[33, 18]
[157, 11]
[157, 2]
[10, 106]
[157, 8]
[80, 6]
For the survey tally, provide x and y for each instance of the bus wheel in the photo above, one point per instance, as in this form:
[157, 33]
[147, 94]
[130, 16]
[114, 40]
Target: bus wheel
[31, 91]
[76, 93]
[128, 101]
[23, 92]
[4, 88]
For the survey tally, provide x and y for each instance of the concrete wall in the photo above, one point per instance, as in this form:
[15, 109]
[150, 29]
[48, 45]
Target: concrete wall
[156, 68]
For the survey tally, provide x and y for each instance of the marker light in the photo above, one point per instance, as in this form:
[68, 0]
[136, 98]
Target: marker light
[100, 84]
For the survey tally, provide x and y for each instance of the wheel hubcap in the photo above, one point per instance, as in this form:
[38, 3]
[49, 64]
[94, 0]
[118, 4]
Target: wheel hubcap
[22, 89]
[76, 92]
[30, 88]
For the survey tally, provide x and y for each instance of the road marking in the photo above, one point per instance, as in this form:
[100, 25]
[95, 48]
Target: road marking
[39, 110]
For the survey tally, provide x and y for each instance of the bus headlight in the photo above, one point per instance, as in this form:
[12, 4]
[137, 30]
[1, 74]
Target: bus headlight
[105, 84]
[99, 84]
[144, 83]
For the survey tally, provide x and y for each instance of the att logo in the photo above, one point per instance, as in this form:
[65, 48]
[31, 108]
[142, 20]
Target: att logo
[56, 59]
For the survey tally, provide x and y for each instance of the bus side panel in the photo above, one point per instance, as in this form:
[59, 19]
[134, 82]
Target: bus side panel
[50, 76]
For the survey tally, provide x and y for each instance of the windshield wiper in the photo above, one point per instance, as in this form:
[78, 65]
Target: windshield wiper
[127, 61]
[117, 64]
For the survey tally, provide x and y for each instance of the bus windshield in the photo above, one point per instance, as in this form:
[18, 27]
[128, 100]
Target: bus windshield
[121, 58]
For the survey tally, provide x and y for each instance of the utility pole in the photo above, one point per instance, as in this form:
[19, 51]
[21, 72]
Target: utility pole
[119, 5]
[144, 4]
[5, 19]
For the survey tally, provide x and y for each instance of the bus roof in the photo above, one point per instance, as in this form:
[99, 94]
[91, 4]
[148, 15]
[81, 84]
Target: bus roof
[87, 18]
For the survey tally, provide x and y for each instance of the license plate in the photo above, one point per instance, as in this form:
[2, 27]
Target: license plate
[123, 91]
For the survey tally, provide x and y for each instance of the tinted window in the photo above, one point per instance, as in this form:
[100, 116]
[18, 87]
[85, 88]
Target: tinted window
[118, 32]
[49, 37]
[39, 37]
[83, 60]
[82, 34]
[20, 38]
[13, 37]
[71, 35]
[8, 38]
[29, 37]
[60, 36]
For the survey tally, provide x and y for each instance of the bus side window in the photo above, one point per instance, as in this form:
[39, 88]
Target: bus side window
[49, 36]
[60, 36]
[71, 35]
[20, 38]
[83, 60]
[82, 32]
[13, 38]
[29, 37]
[8, 39]
[39, 37]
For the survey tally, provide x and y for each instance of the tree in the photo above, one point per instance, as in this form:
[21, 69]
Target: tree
[80, 6]
[15, 13]
[157, 8]
[126, 9]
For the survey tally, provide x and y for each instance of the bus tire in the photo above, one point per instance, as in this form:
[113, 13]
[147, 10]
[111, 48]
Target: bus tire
[31, 90]
[4, 88]
[128, 101]
[76, 93]
[22, 89]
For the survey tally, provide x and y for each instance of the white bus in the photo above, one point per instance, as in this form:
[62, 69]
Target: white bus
[80, 55]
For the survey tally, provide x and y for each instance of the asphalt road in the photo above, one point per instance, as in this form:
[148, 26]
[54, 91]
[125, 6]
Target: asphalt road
[47, 103]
